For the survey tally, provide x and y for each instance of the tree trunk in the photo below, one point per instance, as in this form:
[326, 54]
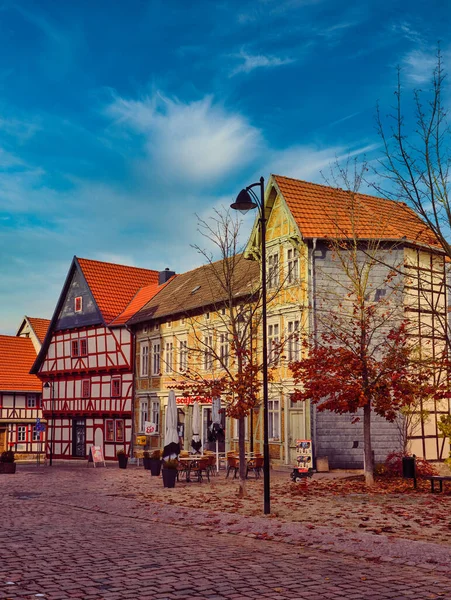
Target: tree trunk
[242, 455]
[368, 452]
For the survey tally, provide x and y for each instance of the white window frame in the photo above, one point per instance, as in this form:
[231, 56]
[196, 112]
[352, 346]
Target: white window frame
[32, 401]
[78, 299]
[21, 434]
[144, 362]
[208, 352]
[292, 265]
[168, 357]
[273, 269]
[274, 418]
[156, 357]
[183, 355]
[224, 349]
[36, 435]
[293, 340]
[235, 428]
[273, 344]
[143, 413]
[155, 408]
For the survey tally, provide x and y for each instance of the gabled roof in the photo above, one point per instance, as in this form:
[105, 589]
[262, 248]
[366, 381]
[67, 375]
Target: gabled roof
[39, 326]
[200, 288]
[325, 212]
[114, 286]
[17, 355]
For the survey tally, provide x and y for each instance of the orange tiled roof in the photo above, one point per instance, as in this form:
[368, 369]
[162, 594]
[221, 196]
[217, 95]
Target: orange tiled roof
[17, 355]
[142, 297]
[325, 212]
[40, 327]
[113, 286]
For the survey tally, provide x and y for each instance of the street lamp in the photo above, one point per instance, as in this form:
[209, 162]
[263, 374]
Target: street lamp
[247, 200]
[47, 386]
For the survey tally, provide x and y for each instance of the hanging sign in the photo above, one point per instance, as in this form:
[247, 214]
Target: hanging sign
[149, 428]
[97, 455]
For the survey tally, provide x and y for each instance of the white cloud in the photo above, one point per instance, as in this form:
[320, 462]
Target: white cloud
[419, 66]
[257, 61]
[197, 142]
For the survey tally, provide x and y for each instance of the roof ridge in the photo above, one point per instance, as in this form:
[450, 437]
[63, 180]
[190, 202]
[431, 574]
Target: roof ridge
[103, 262]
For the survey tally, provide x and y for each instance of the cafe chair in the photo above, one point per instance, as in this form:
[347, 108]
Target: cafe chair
[255, 465]
[200, 467]
[233, 464]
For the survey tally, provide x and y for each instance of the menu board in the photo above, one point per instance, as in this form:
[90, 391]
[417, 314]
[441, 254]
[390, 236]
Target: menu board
[304, 456]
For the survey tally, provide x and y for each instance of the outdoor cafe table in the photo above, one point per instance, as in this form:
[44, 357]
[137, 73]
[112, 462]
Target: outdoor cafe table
[189, 460]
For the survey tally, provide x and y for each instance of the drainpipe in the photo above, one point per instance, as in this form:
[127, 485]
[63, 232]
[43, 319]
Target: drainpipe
[313, 330]
[131, 448]
[286, 428]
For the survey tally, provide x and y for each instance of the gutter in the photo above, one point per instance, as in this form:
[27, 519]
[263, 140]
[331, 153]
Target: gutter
[313, 331]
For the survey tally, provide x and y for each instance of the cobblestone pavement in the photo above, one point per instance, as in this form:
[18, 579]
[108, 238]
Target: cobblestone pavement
[52, 547]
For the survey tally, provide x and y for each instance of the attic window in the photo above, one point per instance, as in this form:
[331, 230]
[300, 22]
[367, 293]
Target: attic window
[194, 290]
[78, 304]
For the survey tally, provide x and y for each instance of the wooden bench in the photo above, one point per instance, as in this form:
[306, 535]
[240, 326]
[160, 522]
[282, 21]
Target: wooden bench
[440, 479]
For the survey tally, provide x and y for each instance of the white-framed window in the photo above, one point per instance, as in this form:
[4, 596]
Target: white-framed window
[207, 316]
[183, 355]
[143, 413]
[235, 428]
[31, 401]
[21, 433]
[155, 358]
[273, 344]
[145, 359]
[274, 419]
[208, 352]
[78, 304]
[224, 349]
[168, 357]
[169, 324]
[155, 413]
[273, 270]
[36, 435]
[293, 342]
[292, 265]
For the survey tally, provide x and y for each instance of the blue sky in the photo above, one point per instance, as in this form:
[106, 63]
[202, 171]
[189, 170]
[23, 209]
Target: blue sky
[121, 120]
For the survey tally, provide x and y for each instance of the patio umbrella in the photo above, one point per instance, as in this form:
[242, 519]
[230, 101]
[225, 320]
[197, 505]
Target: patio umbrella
[171, 447]
[216, 426]
[196, 443]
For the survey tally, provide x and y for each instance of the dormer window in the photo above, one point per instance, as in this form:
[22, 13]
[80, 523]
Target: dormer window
[78, 304]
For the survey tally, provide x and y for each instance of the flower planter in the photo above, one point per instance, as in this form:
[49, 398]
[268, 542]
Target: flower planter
[155, 466]
[169, 477]
[146, 463]
[123, 460]
[9, 468]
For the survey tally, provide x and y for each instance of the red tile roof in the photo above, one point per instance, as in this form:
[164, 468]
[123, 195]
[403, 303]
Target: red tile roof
[114, 286]
[17, 355]
[40, 327]
[142, 297]
[325, 212]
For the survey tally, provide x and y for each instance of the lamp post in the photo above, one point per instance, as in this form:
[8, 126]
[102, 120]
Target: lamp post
[47, 386]
[247, 200]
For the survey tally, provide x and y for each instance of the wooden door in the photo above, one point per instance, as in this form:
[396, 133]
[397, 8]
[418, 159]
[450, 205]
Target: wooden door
[3, 439]
[79, 438]
[296, 431]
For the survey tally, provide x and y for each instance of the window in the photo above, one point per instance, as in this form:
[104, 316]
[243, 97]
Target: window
[207, 316]
[144, 360]
[78, 304]
[79, 347]
[119, 430]
[274, 419]
[31, 401]
[36, 435]
[85, 388]
[155, 414]
[293, 341]
[224, 349]
[169, 324]
[273, 344]
[116, 387]
[83, 347]
[235, 428]
[21, 433]
[169, 357]
[74, 348]
[155, 358]
[109, 435]
[183, 356]
[273, 270]
[292, 265]
[208, 352]
[143, 414]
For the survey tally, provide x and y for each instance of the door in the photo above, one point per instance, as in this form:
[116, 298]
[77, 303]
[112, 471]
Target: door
[297, 429]
[79, 438]
[3, 439]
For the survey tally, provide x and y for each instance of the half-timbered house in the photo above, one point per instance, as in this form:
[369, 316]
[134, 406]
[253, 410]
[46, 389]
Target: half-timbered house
[20, 391]
[86, 362]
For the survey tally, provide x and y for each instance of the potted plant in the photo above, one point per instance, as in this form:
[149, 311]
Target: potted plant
[146, 460]
[122, 458]
[155, 463]
[7, 464]
[170, 472]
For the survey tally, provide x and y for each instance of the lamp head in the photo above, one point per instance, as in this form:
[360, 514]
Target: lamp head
[243, 202]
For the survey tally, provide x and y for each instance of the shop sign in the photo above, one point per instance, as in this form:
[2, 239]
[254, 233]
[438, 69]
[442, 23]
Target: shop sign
[187, 400]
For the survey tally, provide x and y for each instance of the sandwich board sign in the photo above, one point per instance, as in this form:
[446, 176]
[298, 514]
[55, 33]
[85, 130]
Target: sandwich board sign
[97, 455]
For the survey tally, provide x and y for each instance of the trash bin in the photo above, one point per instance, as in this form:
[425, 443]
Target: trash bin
[408, 467]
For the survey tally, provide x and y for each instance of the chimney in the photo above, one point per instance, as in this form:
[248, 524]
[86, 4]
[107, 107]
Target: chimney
[165, 275]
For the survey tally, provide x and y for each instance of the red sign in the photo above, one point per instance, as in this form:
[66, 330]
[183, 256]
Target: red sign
[186, 400]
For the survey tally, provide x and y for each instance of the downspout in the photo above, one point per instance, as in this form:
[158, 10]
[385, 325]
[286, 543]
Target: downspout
[286, 428]
[131, 449]
[313, 330]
